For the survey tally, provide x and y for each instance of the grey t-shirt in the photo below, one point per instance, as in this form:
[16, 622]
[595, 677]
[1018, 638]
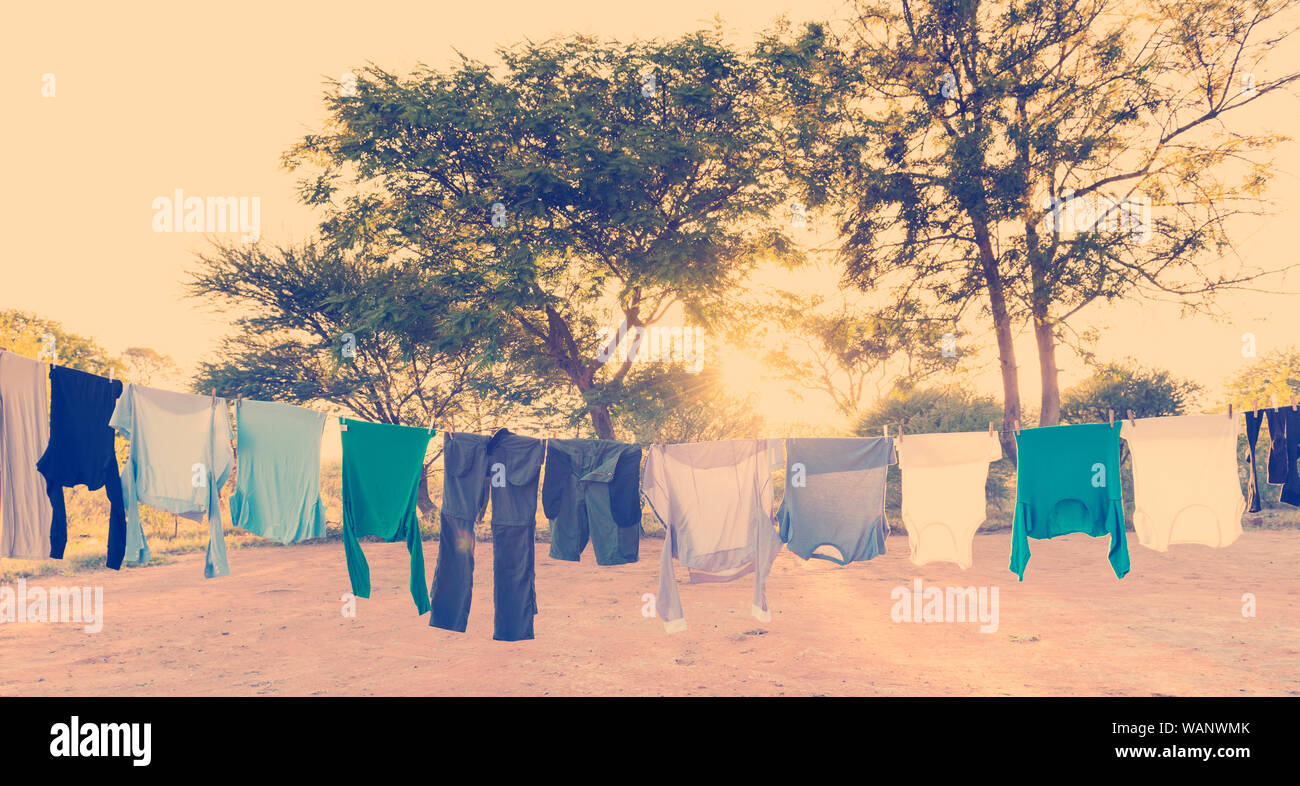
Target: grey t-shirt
[835, 497]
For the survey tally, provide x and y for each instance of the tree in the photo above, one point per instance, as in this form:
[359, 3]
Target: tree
[27, 334]
[317, 326]
[667, 404]
[1275, 374]
[853, 357]
[1119, 388]
[949, 138]
[579, 179]
[1275, 377]
[144, 364]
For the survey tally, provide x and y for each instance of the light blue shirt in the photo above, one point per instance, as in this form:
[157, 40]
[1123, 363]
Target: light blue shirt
[180, 458]
[277, 488]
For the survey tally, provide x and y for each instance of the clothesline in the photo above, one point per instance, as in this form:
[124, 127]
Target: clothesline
[713, 498]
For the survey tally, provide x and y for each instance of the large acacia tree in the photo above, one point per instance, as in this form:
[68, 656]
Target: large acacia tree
[584, 184]
[945, 135]
[364, 336]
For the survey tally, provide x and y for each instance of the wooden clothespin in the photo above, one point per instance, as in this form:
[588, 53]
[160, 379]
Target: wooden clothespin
[1229, 409]
[990, 428]
[1017, 426]
[1254, 405]
[1293, 401]
[431, 424]
[1131, 421]
[886, 429]
[214, 397]
[1110, 414]
[343, 426]
[1274, 402]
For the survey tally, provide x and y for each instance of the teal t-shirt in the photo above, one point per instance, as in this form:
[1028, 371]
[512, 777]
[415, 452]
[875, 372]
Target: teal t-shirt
[381, 476]
[1067, 481]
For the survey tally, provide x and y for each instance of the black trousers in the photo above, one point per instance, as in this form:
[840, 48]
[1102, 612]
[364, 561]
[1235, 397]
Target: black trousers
[1291, 481]
[112, 484]
[1253, 421]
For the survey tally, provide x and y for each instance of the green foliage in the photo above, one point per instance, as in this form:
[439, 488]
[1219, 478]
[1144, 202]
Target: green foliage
[1277, 373]
[24, 334]
[667, 404]
[612, 201]
[935, 411]
[319, 326]
[930, 410]
[1124, 386]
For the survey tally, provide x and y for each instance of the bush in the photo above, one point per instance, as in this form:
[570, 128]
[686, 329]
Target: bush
[1120, 387]
[931, 410]
[941, 410]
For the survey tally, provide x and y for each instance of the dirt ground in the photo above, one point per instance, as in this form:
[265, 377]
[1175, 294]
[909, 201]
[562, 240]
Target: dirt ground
[1174, 626]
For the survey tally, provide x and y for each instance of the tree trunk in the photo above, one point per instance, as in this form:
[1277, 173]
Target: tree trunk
[1048, 370]
[562, 347]
[602, 422]
[599, 413]
[1006, 347]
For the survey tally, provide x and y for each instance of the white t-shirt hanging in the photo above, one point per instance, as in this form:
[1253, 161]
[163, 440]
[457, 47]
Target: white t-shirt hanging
[1185, 483]
[944, 500]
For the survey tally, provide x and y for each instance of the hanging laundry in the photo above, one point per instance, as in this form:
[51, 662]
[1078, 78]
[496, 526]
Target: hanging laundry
[1291, 478]
[1067, 481]
[944, 497]
[1253, 422]
[715, 501]
[507, 467]
[81, 453]
[277, 484]
[775, 454]
[464, 500]
[382, 464]
[592, 491]
[25, 510]
[180, 458]
[1185, 483]
[514, 469]
[1277, 454]
[835, 497]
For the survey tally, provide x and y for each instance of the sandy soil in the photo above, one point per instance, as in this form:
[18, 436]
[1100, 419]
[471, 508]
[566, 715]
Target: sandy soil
[1173, 627]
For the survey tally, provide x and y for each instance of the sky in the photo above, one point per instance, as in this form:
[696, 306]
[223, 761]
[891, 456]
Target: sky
[206, 98]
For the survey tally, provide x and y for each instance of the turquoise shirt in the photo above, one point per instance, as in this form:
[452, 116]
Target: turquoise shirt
[382, 464]
[1067, 481]
[277, 488]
